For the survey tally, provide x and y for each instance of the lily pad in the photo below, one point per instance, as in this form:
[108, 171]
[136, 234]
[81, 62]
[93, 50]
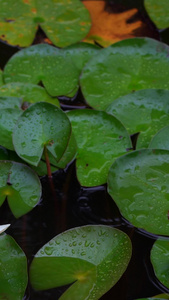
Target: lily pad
[101, 138]
[138, 183]
[57, 69]
[1, 79]
[41, 125]
[13, 271]
[64, 22]
[160, 140]
[158, 12]
[126, 66]
[8, 119]
[160, 260]
[10, 102]
[92, 258]
[144, 112]
[29, 93]
[20, 185]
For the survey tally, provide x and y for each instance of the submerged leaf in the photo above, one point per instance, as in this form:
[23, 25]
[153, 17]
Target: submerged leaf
[41, 126]
[138, 183]
[64, 22]
[126, 66]
[101, 138]
[160, 260]
[20, 185]
[13, 270]
[144, 112]
[158, 11]
[92, 258]
[29, 93]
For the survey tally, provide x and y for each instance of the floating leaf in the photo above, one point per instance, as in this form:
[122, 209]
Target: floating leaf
[160, 140]
[129, 65]
[160, 260]
[93, 258]
[64, 22]
[145, 111]
[1, 79]
[13, 271]
[28, 92]
[21, 185]
[48, 64]
[8, 119]
[158, 11]
[101, 138]
[138, 183]
[4, 227]
[41, 125]
[10, 102]
[109, 27]
[3, 153]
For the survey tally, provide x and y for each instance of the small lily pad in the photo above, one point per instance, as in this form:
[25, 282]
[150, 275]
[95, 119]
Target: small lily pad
[29, 93]
[8, 120]
[20, 185]
[101, 138]
[4, 227]
[13, 271]
[126, 66]
[138, 183]
[64, 22]
[144, 112]
[158, 12]
[160, 140]
[41, 125]
[92, 258]
[160, 260]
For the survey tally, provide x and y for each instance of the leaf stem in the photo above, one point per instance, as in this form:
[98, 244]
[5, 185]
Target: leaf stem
[47, 162]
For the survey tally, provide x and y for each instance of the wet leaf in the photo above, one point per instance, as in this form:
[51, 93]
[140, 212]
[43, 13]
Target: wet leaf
[29, 93]
[20, 185]
[4, 227]
[41, 125]
[92, 258]
[138, 183]
[13, 271]
[64, 22]
[126, 66]
[160, 140]
[158, 11]
[57, 69]
[1, 79]
[10, 102]
[160, 260]
[144, 112]
[8, 120]
[108, 27]
[101, 138]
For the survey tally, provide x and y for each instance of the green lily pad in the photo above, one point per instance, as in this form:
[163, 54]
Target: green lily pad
[160, 140]
[1, 79]
[160, 260]
[126, 66]
[101, 138]
[92, 258]
[138, 183]
[41, 125]
[48, 64]
[158, 12]
[8, 120]
[10, 102]
[13, 271]
[64, 22]
[145, 111]
[20, 185]
[29, 93]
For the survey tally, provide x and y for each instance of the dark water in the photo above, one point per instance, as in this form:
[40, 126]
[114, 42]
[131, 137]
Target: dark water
[69, 205]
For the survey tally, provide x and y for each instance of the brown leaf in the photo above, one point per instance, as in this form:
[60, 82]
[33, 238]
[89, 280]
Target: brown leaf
[108, 27]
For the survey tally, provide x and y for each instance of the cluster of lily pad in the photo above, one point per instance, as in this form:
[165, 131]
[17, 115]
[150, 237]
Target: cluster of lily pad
[126, 88]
